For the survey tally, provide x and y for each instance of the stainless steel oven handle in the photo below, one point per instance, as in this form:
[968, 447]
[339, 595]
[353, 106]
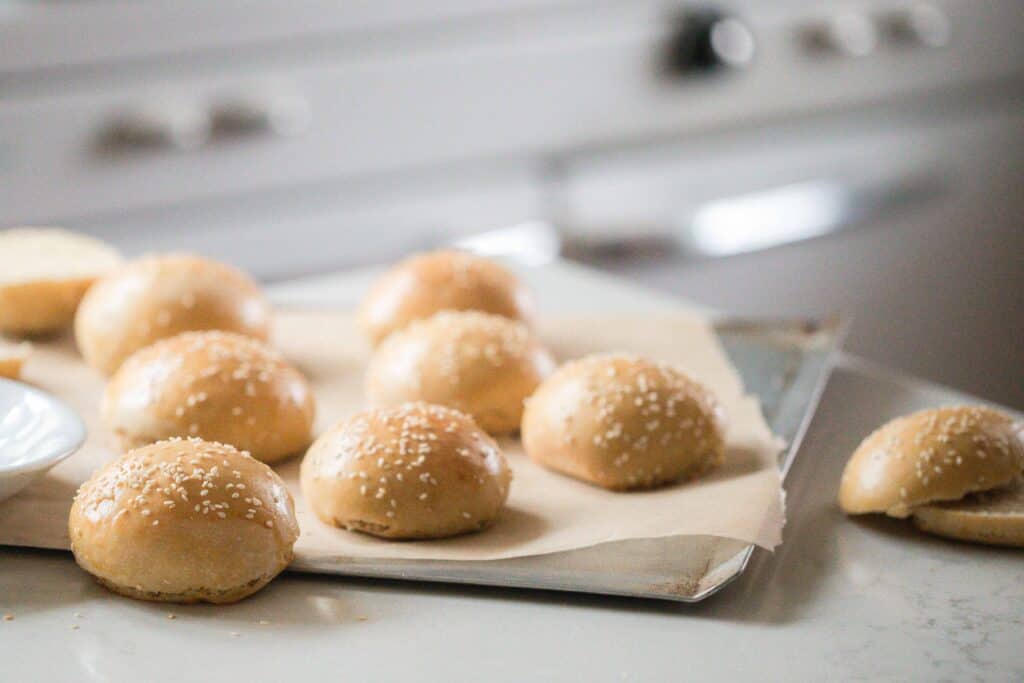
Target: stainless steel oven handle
[772, 217]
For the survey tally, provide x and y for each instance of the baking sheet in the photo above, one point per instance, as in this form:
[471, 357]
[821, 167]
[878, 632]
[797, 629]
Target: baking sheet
[547, 513]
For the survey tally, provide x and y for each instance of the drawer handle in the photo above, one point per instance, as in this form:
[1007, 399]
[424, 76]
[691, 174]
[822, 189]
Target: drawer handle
[279, 114]
[156, 128]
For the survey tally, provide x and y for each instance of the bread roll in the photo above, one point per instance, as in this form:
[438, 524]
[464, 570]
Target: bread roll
[12, 358]
[417, 471]
[217, 386]
[623, 422]
[993, 517]
[437, 281]
[44, 272]
[161, 296]
[934, 455]
[481, 364]
[183, 520]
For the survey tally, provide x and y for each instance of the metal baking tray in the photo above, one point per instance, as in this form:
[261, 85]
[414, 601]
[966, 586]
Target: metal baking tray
[785, 364]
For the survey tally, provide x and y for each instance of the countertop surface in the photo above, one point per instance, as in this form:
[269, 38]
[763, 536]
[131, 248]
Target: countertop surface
[867, 599]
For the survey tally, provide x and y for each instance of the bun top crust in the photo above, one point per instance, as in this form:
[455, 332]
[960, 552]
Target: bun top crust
[484, 365]
[161, 296]
[416, 471]
[624, 422]
[437, 281]
[930, 456]
[44, 273]
[183, 517]
[214, 385]
[37, 255]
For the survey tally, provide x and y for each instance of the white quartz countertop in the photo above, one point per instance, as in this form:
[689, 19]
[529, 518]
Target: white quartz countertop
[844, 600]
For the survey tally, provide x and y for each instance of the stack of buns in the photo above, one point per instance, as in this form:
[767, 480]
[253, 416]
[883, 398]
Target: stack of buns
[955, 470]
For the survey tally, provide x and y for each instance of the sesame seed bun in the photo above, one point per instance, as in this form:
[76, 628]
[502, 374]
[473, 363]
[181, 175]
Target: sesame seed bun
[44, 273]
[484, 365]
[161, 296]
[623, 422]
[437, 281]
[417, 471]
[991, 517]
[184, 521]
[934, 455]
[218, 386]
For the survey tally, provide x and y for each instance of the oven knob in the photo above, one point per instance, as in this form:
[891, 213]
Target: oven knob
[925, 25]
[705, 40]
[848, 35]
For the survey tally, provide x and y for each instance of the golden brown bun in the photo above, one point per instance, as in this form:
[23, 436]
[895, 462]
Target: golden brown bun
[217, 386]
[437, 281]
[161, 296]
[44, 272]
[184, 520]
[417, 471]
[623, 422]
[481, 364]
[930, 456]
[12, 358]
[993, 517]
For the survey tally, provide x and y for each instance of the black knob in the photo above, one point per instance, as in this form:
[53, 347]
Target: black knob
[707, 40]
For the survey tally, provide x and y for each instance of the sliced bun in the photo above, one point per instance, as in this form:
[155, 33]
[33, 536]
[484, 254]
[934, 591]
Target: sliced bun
[217, 386]
[12, 358]
[44, 272]
[417, 471]
[484, 365]
[161, 296]
[184, 521]
[994, 517]
[623, 422]
[934, 455]
[437, 281]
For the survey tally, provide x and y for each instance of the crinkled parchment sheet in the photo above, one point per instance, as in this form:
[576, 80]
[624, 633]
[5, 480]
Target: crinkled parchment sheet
[546, 512]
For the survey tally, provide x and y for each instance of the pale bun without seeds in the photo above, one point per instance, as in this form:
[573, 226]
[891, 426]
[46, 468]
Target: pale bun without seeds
[13, 358]
[992, 517]
[44, 273]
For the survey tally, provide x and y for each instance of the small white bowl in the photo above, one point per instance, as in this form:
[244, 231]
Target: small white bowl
[36, 432]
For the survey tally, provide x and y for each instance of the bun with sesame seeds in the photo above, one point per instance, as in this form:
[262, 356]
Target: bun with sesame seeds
[184, 520]
[941, 454]
[413, 472]
[484, 365]
[161, 296]
[213, 385]
[437, 281]
[44, 273]
[624, 422]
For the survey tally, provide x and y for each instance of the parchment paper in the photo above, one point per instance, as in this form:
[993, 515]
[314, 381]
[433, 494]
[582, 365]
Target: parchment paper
[546, 512]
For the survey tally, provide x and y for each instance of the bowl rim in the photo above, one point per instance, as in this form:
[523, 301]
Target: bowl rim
[47, 460]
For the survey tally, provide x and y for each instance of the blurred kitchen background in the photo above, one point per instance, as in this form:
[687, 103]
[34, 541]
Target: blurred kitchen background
[764, 157]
